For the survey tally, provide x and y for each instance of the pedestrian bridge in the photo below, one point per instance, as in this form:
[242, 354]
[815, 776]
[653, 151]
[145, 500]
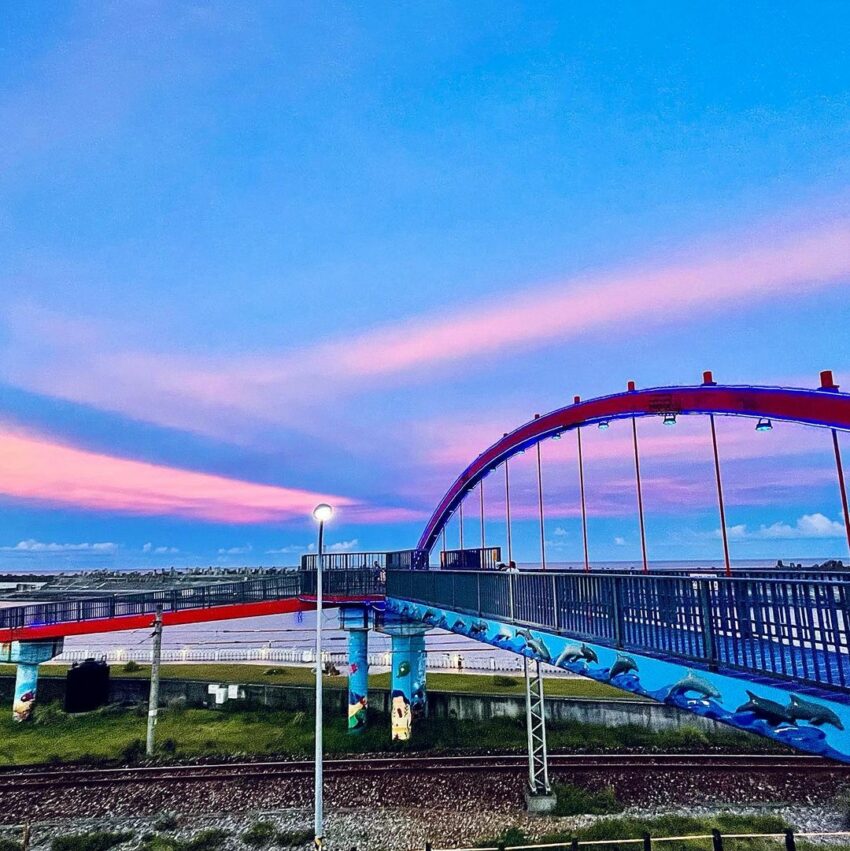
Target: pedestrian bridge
[764, 651]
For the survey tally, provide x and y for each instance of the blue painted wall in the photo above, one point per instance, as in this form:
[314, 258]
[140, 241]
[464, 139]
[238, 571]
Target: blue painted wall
[799, 718]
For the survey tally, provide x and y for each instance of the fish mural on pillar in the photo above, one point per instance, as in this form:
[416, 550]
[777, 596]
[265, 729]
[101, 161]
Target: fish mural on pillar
[26, 682]
[816, 723]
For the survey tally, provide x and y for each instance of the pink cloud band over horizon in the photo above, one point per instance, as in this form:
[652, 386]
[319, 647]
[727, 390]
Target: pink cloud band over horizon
[35, 468]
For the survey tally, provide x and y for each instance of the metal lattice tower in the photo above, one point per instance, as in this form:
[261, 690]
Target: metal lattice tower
[535, 721]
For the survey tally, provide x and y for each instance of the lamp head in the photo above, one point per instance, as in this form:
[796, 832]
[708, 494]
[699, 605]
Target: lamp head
[669, 419]
[603, 424]
[764, 424]
[322, 512]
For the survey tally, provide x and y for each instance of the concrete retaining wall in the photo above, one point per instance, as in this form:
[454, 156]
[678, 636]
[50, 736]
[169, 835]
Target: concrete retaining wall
[610, 713]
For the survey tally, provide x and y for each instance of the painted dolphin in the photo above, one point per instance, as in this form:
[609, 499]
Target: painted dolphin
[478, 627]
[622, 665]
[459, 626]
[524, 633]
[771, 711]
[504, 634]
[693, 683]
[536, 646]
[814, 713]
[429, 616]
[443, 622]
[574, 652]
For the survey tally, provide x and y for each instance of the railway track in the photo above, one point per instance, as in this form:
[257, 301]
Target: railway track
[54, 778]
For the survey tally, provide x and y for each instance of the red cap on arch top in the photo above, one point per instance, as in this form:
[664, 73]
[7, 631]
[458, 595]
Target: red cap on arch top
[576, 400]
[631, 387]
[827, 382]
[708, 378]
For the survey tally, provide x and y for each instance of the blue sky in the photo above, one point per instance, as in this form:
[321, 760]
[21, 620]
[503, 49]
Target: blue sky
[258, 254]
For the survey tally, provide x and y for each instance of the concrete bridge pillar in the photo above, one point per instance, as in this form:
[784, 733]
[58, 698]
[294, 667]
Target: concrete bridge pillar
[355, 620]
[27, 655]
[408, 660]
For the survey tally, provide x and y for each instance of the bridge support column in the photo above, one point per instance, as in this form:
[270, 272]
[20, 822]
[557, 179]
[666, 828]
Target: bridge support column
[355, 620]
[27, 655]
[539, 798]
[408, 660]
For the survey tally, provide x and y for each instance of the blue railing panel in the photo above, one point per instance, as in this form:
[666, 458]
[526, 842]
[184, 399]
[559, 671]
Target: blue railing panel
[792, 628]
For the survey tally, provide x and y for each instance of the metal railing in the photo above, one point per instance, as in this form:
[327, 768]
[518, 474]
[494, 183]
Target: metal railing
[345, 583]
[471, 559]
[796, 629]
[393, 560]
[280, 586]
[714, 841]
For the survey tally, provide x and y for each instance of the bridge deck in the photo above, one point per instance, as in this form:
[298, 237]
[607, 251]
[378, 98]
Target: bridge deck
[776, 628]
[284, 592]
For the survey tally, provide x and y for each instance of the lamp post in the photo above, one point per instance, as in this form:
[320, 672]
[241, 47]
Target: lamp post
[321, 513]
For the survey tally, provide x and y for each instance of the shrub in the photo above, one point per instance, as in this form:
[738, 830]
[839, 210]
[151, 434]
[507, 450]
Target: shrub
[98, 840]
[293, 838]
[7, 844]
[259, 834]
[133, 751]
[207, 840]
[166, 821]
[50, 713]
[576, 801]
[131, 667]
[503, 681]
[275, 672]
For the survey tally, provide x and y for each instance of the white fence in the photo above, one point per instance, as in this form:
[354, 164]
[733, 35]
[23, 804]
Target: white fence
[436, 660]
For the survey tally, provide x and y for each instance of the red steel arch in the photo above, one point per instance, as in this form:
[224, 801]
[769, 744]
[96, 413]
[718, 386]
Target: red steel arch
[824, 407]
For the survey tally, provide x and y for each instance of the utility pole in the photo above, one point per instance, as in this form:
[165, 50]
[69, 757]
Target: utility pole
[153, 700]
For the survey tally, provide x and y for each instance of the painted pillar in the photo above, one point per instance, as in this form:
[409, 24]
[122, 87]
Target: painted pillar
[358, 679]
[402, 688]
[418, 667]
[26, 683]
[27, 655]
[356, 621]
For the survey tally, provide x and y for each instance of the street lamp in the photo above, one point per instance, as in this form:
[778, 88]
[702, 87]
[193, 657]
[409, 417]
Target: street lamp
[321, 513]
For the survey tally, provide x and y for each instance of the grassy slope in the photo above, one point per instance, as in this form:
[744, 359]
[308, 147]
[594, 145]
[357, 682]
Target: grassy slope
[303, 676]
[117, 734]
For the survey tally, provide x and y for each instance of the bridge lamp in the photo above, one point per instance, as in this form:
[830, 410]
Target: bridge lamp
[603, 425]
[669, 419]
[321, 514]
[764, 424]
[557, 435]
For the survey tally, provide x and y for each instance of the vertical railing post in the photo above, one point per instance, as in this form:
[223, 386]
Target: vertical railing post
[617, 607]
[705, 616]
[508, 512]
[716, 840]
[540, 504]
[511, 594]
[555, 606]
[647, 842]
[790, 841]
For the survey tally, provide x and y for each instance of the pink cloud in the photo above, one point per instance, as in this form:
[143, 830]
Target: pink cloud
[35, 468]
[535, 317]
[249, 393]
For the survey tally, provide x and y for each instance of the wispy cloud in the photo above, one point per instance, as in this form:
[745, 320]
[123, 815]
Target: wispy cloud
[160, 550]
[235, 551]
[808, 526]
[95, 367]
[30, 545]
[343, 546]
[37, 468]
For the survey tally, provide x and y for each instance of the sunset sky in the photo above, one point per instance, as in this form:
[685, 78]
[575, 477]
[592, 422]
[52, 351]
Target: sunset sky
[257, 255]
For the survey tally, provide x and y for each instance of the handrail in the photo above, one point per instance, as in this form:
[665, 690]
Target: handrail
[789, 629]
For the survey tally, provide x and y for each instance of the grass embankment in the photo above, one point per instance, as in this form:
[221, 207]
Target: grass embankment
[115, 734]
[223, 672]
